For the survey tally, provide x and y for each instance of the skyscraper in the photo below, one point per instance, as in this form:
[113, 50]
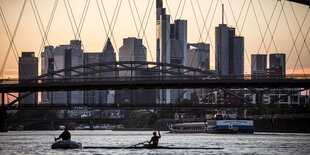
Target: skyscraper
[229, 50]
[27, 70]
[178, 39]
[171, 47]
[47, 65]
[92, 96]
[258, 64]
[229, 55]
[162, 34]
[198, 57]
[222, 49]
[109, 56]
[238, 61]
[66, 56]
[162, 45]
[277, 62]
[134, 50]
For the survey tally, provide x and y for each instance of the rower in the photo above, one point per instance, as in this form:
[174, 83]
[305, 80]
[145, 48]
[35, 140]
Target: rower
[65, 135]
[155, 139]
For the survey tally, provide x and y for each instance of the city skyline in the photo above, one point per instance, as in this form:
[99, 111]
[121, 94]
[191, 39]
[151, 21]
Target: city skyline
[93, 41]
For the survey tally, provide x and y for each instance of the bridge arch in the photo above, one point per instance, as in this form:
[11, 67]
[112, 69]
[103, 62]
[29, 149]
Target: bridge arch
[151, 67]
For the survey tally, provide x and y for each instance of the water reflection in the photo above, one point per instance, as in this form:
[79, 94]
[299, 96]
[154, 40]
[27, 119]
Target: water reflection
[39, 142]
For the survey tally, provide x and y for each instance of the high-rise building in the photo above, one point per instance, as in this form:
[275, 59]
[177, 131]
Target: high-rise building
[162, 34]
[222, 49]
[47, 65]
[229, 55]
[178, 38]
[277, 62]
[238, 61]
[163, 43]
[66, 56]
[229, 50]
[132, 50]
[27, 70]
[109, 56]
[92, 96]
[258, 64]
[197, 57]
[171, 47]
[178, 50]
[106, 56]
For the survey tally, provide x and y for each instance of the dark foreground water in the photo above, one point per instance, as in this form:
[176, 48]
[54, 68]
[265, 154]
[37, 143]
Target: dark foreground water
[39, 142]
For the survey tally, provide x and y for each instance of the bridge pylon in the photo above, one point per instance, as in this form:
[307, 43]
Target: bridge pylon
[3, 120]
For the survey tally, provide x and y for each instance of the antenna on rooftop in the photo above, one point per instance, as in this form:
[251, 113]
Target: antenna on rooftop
[222, 13]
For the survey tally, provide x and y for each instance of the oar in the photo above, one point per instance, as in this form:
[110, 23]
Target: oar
[136, 144]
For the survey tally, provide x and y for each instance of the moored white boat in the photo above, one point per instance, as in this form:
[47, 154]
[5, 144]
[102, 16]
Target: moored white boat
[193, 127]
[230, 126]
[214, 126]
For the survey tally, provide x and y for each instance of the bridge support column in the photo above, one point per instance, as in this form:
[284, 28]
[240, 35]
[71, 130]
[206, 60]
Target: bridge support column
[2, 100]
[244, 113]
[52, 125]
[3, 120]
[91, 125]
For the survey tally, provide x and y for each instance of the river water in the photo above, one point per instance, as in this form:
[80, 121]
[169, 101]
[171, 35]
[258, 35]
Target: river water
[39, 142]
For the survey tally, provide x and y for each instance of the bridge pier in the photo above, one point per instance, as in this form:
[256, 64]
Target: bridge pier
[91, 125]
[52, 125]
[3, 120]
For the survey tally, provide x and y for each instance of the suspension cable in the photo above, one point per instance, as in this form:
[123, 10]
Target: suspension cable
[46, 31]
[13, 37]
[101, 18]
[294, 40]
[268, 25]
[141, 27]
[72, 27]
[8, 33]
[204, 25]
[114, 18]
[259, 27]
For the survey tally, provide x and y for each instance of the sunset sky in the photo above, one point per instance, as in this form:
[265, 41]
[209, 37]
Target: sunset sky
[94, 36]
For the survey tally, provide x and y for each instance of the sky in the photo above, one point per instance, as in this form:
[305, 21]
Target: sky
[288, 26]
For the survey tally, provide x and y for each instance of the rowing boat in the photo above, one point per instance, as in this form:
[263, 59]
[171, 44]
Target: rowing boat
[152, 147]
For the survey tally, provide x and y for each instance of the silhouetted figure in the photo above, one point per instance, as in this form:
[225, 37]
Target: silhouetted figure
[155, 138]
[65, 135]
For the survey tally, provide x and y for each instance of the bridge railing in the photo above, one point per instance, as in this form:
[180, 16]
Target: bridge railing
[156, 78]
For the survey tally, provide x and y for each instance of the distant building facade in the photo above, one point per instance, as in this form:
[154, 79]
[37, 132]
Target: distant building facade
[47, 65]
[229, 58]
[109, 56]
[258, 65]
[198, 56]
[92, 96]
[277, 62]
[27, 70]
[171, 47]
[133, 50]
[66, 56]
[229, 51]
